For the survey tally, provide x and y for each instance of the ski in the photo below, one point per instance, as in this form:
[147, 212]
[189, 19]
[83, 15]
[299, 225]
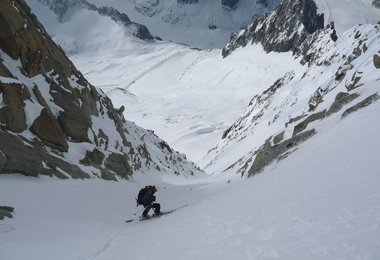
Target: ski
[153, 216]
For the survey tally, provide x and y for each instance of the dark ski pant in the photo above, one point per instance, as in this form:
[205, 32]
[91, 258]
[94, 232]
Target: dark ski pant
[155, 206]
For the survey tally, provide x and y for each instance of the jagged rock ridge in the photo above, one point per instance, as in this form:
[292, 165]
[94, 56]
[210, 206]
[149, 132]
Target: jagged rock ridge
[53, 122]
[285, 29]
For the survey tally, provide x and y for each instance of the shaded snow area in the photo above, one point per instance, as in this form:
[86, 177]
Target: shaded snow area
[348, 13]
[320, 203]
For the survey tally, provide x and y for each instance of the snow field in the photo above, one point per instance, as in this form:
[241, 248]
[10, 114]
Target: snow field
[322, 202]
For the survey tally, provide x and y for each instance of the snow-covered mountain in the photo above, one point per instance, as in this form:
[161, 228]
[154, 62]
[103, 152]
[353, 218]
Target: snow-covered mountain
[200, 24]
[339, 78]
[160, 74]
[53, 122]
[306, 118]
[285, 29]
[64, 9]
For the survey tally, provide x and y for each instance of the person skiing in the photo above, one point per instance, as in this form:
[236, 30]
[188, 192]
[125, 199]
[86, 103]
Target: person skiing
[146, 198]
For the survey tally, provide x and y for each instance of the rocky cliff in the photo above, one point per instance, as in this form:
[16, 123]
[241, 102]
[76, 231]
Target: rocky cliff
[285, 29]
[53, 122]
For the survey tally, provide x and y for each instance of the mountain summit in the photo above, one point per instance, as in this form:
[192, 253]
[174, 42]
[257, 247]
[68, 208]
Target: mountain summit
[283, 30]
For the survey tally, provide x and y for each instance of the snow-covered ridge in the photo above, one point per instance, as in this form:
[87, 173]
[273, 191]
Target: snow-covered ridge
[200, 24]
[53, 122]
[340, 78]
[283, 30]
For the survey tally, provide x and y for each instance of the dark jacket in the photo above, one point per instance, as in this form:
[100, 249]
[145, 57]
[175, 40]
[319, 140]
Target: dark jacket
[145, 197]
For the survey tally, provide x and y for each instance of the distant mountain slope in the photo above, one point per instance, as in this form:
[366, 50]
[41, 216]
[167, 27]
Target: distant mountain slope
[340, 76]
[200, 24]
[64, 8]
[78, 26]
[53, 122]
[348, 13]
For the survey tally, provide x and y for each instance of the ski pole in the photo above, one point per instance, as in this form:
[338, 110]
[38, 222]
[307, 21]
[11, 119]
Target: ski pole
[140, 210]
[134, 214]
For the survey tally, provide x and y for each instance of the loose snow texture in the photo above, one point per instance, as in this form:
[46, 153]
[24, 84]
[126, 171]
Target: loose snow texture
[320, 203]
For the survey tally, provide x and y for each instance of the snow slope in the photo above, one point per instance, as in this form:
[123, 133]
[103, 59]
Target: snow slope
[170, 88]
[342, 67]
[320, 203]
[177, 92]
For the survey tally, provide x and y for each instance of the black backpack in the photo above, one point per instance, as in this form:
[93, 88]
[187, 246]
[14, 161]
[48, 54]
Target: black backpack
[140, 195]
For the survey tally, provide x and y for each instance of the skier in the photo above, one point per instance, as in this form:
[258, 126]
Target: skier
[146, 198]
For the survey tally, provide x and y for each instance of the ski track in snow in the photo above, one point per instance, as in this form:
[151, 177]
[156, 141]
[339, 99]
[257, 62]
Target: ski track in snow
[160, 63]
[98, 253]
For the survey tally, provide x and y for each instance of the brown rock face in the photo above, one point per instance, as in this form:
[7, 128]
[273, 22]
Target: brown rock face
[376, 61]
[13, 115]
[20, 39]
[49, 131]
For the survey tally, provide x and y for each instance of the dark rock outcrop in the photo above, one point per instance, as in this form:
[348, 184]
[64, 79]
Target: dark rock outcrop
[47, 128]
[366, 102]
[268, 153]
[376, 3]
[313, 117]
[187, 1]
[230, 4]
[376, 61]
[341, 99]
[95, 158]
[12, 115]
[6, 211]
[283, 30]
[263, 2]
[119, 164]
